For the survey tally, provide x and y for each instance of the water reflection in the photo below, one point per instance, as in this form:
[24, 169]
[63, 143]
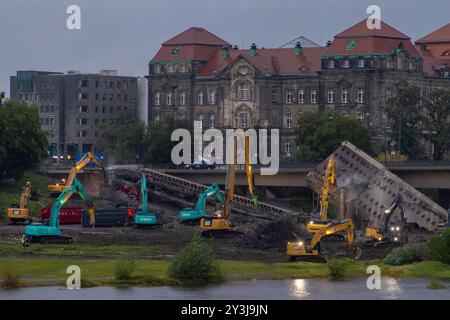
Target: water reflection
[392, 287]
[299, 288]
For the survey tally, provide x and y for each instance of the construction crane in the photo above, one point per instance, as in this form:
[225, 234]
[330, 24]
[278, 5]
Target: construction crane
[299, 249]
[220, 223]
[20, 212]
[329, 182]
[189, 215]
[49, 232]
[143, 217]
[84, 161]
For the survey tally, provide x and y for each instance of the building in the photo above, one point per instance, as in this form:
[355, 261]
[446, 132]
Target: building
[72, 106]
[199, 76]
[142, 100]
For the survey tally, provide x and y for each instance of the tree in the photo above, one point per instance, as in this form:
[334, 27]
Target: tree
[22, 142]
[416, 121]
[404, 118]
[123, 140]
[157, 142]
[319, 135]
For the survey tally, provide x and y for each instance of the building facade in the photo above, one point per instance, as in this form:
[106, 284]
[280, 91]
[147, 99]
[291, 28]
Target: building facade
[198, 76]
[72, 106]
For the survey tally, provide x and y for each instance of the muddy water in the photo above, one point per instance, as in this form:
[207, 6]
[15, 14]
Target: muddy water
[391, 288]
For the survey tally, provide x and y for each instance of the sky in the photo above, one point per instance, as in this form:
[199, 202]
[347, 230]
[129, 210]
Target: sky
[125, 34]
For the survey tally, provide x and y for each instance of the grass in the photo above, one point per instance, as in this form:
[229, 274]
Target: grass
[435, 284]
[153, 272]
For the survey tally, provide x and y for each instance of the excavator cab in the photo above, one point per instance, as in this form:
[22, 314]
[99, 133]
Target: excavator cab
[19, 213]
[193, 215]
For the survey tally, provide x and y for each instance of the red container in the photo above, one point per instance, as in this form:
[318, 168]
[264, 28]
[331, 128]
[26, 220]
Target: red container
[66, 215]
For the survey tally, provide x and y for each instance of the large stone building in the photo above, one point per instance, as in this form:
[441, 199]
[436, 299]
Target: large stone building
[199, 76]
[72, 106]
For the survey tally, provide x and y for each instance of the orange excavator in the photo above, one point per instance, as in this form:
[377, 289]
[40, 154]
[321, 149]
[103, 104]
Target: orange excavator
[84, 161]
[20, 212]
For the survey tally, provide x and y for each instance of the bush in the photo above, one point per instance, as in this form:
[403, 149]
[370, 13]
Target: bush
[408, 254]
[439, 246]
[337, 268]
[125, 267]
[195, 264]
[9, 278]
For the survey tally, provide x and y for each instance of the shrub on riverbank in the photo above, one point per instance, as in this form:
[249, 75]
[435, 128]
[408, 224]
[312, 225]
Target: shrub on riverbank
[337, 268]
[195, 264]
[125, 267]
[435, 284]
[439, 246]
[9, 278]
[407, 254]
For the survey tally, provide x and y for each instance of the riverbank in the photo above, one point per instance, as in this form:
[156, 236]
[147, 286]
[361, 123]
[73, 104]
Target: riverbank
[100, 272]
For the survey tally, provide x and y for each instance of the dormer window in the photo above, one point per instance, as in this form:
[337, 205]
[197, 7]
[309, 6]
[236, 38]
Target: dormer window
[170, 68]
[346, 64]
[243, 70]
[446, 53]
[157, 68]
[361, 63]
[331, 64]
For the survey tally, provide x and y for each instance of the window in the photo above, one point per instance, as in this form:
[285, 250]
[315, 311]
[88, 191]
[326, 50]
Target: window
[83, 96]
[211, 121]
[111, 97]
[157, 68]
[389, 64]
[170, 68]
[183, 68]
[344, 114]
[274, 96]
[388, 95]
[289, 96]
[111, 85]
[169, 99]
[287, 149]
[183, 98]
[82, 121]
[47, 121]
[83, 109]
[288, 120]
[360, 116]
[156, 118]
[157, 98]
[330, 96]
[211, 97]
[243, 120]
[313, 96]
[82, 133]
[361, 63]
[346, 64]
[96, 83]
[399, 63]
[344, 98]
[331, 64]
[200, 98]
[411, 65]
[84, 83]
[301, 96]
[243, 91]
[360, 95]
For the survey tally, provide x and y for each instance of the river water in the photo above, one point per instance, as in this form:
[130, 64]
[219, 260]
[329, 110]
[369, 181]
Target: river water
[391, 288]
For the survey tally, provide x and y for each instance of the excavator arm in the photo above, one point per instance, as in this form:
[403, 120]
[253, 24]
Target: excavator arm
[25, 195]
[344, 226]
[213, 190]
[329, 181]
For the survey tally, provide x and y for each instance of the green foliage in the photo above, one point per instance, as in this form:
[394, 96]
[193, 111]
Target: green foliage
[157, 142]
[407, 254]
[439, 246]
[22, 142]
[414, 119]
[9, 277]
[195, 264]
[125, 267]
[337, 268]
[319, 135]
[435, 284]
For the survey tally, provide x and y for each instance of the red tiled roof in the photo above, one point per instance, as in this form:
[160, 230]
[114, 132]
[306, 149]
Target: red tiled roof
[377, 41]
[194, 44]
[360, 29]
[269, 61]
[196, 35]
[440, 35]
[431, 65]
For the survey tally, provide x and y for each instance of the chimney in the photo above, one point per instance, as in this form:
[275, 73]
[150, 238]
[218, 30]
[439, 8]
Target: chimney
[253, 49]
[328, 43]
[298, 48]
[235, 47]
[225, 52]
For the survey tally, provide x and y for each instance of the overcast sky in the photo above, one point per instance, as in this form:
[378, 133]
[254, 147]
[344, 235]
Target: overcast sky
[125, 34]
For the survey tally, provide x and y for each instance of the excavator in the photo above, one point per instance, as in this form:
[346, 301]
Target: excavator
[49, 232]
[329, 182]
[219, 222]
[84, 161]
[299, 249]
[20, 213]
[133, 197]
[144, 218]
[189, 215]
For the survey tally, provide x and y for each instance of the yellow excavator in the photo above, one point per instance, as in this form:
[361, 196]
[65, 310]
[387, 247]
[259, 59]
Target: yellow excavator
[84, 161]
[329, 182]
[20, 212]
[219, 222]
[299, 249]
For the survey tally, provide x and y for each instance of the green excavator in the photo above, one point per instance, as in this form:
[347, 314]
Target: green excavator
[193, 215]
[50, 232]
[144, 218]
